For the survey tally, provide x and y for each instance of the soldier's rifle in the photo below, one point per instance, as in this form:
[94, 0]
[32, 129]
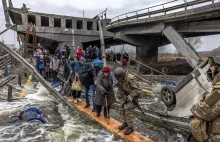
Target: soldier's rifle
[133, 100]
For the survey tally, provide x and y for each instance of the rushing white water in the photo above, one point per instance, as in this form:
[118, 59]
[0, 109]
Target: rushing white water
[63, 124]
[67, 125]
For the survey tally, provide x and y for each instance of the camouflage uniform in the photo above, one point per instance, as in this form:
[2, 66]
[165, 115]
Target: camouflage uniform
[210, 114]
[128, 86]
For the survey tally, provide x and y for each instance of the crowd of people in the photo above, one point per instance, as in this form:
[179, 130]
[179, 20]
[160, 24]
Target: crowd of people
[84, 71]
[93, 77]
[49, 65]
[113, 57]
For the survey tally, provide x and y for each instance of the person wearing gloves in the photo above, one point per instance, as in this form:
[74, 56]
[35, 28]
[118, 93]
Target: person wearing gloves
[105, 96]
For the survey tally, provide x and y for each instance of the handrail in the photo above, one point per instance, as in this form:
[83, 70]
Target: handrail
[158, 11]
[7, 60]
[145, 8]
[103, 13]
[57, 95]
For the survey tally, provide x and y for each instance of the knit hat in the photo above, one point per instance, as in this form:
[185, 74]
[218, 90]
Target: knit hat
[71, 58]
[82, 59]
[88, 66]
[106, 69]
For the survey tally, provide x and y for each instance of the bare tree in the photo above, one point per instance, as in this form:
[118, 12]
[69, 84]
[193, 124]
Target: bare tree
[195, 42]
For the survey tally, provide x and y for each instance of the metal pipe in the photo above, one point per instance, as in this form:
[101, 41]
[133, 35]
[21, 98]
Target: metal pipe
[7, 29]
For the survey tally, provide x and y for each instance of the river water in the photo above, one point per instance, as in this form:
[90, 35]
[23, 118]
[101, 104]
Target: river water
[63, 124]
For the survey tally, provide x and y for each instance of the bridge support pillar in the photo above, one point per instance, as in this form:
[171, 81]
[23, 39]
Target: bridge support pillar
[146, 54]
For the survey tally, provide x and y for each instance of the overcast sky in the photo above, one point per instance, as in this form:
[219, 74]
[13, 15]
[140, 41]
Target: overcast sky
[91, 8]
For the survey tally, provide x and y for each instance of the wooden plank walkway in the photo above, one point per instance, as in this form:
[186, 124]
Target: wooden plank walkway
[112, 126]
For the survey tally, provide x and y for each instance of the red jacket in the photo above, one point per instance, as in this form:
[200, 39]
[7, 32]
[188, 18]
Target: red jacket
[124, 63]
[79, 54]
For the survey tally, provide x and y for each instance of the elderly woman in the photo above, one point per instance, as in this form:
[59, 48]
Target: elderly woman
[104, 91]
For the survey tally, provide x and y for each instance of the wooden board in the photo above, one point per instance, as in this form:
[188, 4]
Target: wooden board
[112, 126]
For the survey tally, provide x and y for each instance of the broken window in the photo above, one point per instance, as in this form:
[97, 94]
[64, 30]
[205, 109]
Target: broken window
[89, 25]
[69, 23]
[79, 24]
[57, 22]
[45, 21]
[32, 19]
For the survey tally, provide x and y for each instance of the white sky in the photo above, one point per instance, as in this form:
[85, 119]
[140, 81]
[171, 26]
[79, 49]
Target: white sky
[91, 8]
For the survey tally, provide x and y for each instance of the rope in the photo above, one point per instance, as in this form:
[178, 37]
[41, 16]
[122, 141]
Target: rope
[145, 80]
[146, 65]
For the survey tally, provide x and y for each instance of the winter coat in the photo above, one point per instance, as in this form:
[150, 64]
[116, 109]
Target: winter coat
[98, 65]
[78, 67]
[128, 86]
[55, 64]
[94, 53]
[211, 114]
[104, 85]
[66, 70]
[97, 62]
[90, 53]
[87, 78]
[97, 52]
[124, 63]
[40, 62]
[79, 54]
[58, 54]
[47, 63]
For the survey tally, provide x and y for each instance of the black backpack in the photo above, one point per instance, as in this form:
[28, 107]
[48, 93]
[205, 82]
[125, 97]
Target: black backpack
[84, 77]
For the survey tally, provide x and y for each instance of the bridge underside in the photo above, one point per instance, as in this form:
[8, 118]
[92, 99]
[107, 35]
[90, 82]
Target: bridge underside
[146, 33]
[149, 36]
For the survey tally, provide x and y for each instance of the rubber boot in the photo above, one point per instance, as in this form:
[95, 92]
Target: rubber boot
[124, 124]
[94, 109]
[87, 106]
[98, 114]
[128, 131]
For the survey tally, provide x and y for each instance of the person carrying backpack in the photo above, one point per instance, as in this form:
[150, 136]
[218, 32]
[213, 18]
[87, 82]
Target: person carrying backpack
[88, 80]
[98, 65]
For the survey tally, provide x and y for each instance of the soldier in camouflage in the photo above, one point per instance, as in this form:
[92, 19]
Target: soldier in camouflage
[128, 89]
[209, 108]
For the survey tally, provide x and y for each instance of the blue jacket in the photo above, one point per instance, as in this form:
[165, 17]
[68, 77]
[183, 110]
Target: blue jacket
[97, 62]
[70, 66]
[97, 52]
[78, 67]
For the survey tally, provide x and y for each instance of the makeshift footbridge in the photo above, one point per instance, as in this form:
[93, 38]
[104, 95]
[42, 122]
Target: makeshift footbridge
[132, 137]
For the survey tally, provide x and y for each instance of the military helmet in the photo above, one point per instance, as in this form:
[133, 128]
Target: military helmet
[119, 72]
[215, 54]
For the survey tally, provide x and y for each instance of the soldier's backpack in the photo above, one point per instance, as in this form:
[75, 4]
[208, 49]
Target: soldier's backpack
[199, 129]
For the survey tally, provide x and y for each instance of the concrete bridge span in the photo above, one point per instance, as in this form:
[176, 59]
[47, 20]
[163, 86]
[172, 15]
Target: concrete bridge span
[142, 28]
[146, 30]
